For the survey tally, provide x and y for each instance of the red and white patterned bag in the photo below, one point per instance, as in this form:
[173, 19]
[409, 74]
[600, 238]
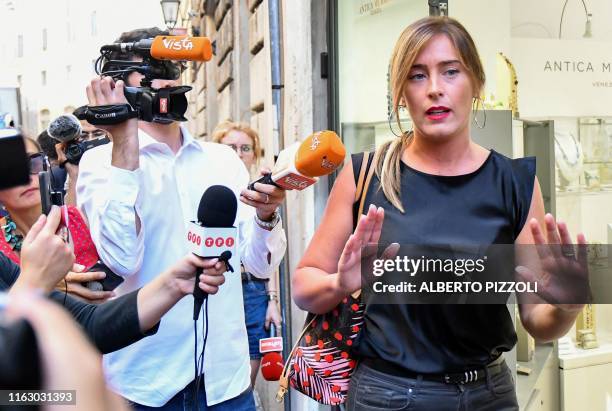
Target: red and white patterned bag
[320, 364]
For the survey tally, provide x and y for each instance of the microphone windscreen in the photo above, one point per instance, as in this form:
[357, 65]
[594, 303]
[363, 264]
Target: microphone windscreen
[65, 128]
[181, 48]
[217, 207]
[272, 366]
[320, 154]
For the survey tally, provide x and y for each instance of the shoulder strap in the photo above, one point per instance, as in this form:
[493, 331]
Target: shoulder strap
[362, 171]
[366, 185]
[363, 182]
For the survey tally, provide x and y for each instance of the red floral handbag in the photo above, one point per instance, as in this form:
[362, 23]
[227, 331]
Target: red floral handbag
[320, 364]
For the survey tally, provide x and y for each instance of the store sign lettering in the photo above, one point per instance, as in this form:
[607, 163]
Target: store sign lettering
[579, 66]
[373, 6]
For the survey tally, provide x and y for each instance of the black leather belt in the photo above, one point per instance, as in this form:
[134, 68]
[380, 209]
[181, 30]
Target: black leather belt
[477, 374]
[246, 276]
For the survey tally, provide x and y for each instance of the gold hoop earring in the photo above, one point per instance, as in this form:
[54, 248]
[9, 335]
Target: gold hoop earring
[389, 120]
[475, 103]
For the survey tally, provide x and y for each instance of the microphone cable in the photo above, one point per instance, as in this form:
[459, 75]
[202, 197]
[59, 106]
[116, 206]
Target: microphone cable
[199, 361]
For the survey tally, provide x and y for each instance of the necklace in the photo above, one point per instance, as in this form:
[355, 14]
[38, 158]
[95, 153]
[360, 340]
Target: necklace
[12, 237]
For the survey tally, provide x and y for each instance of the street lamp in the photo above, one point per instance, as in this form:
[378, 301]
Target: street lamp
[170, 9]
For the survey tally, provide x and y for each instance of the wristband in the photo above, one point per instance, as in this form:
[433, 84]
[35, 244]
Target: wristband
[268, 225]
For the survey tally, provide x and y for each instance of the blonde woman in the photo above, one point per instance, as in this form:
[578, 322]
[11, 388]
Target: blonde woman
[260, 298]
[433, 185]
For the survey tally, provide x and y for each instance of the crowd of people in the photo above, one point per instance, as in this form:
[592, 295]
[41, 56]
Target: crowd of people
[128, 204]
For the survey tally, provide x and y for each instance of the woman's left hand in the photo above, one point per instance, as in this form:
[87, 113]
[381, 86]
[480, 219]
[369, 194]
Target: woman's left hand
[273, 315]
[266, 198]
[564, 278]
[74, 285]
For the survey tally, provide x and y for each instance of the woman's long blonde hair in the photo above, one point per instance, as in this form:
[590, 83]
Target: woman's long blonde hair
[388, 156]
[225, 127]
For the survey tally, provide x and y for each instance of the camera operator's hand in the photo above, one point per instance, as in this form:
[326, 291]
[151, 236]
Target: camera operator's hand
[45, 257]
[71, 169]
[60, 343]
[73, 174]
[104, 91]
[74, 281]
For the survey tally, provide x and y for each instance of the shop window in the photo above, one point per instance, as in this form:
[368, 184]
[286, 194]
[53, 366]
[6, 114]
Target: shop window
[367, 32]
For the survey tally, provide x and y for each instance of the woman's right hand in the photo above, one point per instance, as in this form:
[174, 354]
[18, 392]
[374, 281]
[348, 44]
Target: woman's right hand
[367, 233]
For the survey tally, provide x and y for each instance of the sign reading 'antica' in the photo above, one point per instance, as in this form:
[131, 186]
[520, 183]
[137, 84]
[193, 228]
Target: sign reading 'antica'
[579, 66]
[563, 78]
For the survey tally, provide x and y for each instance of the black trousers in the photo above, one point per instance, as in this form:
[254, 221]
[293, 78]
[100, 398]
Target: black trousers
[374, 390]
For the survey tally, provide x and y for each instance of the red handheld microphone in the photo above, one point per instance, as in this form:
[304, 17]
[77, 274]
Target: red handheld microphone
[272, 361]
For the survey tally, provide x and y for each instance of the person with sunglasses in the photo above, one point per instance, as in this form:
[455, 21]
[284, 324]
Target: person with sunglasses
[65, 173]
[23, 207]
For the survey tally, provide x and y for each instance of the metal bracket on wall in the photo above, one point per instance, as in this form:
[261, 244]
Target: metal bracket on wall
[324, 65]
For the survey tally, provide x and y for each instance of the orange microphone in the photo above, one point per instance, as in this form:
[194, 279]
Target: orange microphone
[299, 165]
[184, 48]
[181, 48]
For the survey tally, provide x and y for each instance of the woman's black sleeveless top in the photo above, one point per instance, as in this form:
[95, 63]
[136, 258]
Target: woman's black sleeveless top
[487, 206]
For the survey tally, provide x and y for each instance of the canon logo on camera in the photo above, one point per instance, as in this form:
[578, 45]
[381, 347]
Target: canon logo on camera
[105, 115]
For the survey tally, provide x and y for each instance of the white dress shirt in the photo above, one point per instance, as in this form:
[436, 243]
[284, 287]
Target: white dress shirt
[165, 193]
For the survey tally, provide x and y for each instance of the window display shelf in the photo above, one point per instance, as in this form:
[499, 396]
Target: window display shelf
[585, 382]
[571, 356]
[539, 389]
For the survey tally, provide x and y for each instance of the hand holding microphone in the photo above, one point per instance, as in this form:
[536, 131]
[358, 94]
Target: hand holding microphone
[213, 236]
[299, 165]
[265, 198]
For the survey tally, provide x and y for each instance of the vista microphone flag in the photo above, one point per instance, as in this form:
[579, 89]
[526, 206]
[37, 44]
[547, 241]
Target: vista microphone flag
[184, 48]
[299, 165]
[272, 361]
[213, 235]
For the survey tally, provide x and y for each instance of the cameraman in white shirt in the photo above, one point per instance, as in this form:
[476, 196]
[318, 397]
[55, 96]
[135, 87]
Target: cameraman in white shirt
[139, 193]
